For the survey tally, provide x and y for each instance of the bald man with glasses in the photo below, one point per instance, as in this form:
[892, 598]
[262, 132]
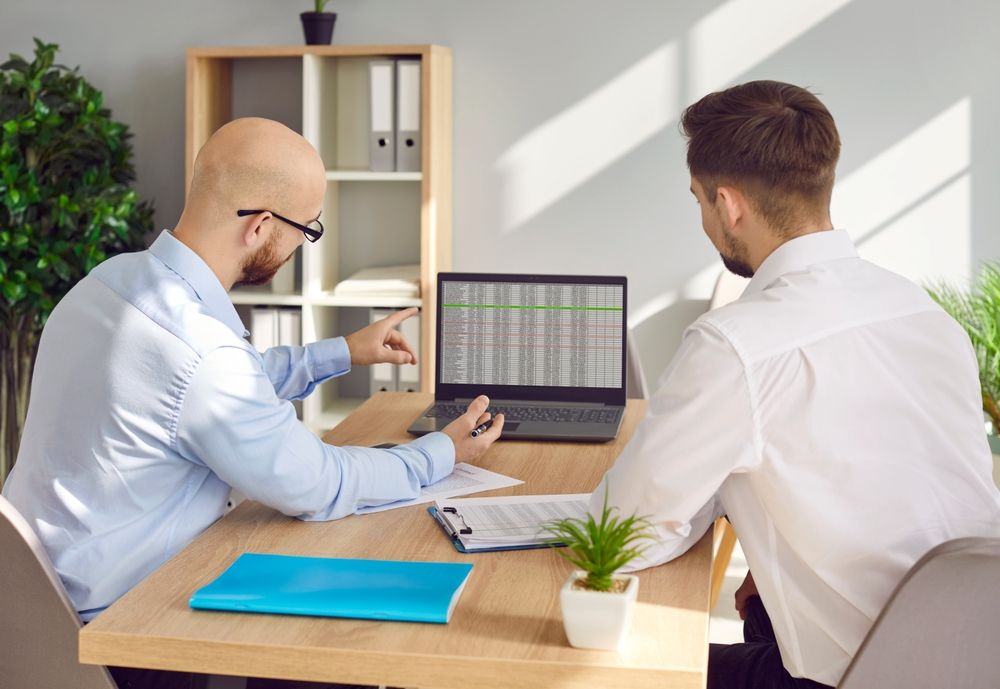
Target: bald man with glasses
[149, 405]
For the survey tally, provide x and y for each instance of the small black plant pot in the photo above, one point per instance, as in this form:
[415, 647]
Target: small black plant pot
[318, 27]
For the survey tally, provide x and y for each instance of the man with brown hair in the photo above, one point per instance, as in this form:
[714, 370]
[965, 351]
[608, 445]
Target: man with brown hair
[832, 412]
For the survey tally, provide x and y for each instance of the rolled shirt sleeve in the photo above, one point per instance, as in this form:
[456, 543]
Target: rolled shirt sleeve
[232, 420]
[698, 429]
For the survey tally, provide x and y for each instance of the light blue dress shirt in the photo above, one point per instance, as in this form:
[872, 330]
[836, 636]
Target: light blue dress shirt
[148, 404]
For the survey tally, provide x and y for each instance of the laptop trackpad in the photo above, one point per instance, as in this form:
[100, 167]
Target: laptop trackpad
[510, 426]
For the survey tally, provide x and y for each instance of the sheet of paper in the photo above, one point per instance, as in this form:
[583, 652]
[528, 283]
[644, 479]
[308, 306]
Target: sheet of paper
[516, 519]
[463, 480]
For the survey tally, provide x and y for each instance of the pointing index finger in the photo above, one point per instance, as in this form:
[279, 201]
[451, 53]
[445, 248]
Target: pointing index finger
[398, 317]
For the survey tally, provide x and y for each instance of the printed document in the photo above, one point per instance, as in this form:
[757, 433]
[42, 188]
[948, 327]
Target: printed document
[517, 520]
[463, 480]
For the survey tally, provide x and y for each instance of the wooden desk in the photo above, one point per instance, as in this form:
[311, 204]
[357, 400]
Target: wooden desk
[506, 630]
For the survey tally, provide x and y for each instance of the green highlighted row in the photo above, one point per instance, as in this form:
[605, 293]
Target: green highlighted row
[516, 306]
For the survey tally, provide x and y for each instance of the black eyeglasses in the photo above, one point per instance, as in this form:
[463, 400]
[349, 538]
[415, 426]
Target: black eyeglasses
[313, 231]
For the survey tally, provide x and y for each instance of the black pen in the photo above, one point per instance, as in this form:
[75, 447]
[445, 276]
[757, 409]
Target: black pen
[481, 428]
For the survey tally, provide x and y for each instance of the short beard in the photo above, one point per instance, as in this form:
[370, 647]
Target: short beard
[736, 262]
[259, 268]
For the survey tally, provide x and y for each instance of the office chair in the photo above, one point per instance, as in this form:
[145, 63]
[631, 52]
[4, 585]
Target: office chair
[39, 625]
[941, 625]
[635, 380]
[728, 288]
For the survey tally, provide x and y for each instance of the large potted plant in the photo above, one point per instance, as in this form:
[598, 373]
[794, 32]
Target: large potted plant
[318, 25]
[597, 602]
[66, 204]
[977, 310]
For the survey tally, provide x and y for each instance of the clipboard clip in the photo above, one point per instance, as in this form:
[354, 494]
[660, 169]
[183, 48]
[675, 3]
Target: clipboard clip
[465, 530]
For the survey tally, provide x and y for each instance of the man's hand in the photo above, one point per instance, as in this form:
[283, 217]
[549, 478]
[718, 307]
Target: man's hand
[459, 430]
[746, 589]
[381, 343]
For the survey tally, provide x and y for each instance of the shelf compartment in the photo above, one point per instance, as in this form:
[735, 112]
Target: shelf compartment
[365, 300]
[252, 297]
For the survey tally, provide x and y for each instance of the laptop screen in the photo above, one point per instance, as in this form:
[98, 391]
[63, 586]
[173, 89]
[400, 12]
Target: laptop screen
[531, 336]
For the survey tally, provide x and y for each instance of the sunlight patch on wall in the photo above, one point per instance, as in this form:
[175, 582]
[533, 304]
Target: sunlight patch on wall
[740, 34]
[909, 207]
[587, 137]
[931, 241]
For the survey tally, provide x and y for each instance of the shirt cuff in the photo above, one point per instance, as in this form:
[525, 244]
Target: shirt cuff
[439, 447]
[329, 358]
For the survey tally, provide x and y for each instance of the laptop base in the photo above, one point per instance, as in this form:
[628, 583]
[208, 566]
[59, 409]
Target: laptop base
[516, 429]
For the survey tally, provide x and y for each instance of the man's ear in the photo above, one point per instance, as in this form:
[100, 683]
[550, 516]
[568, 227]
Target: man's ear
[732, 206]
[254, 234]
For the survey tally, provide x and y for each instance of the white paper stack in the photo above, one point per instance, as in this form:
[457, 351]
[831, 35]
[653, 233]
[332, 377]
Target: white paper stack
[385, 281]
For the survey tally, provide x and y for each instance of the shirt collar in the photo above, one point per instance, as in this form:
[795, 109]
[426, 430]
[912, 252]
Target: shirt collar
[800, 253]
[193, 270]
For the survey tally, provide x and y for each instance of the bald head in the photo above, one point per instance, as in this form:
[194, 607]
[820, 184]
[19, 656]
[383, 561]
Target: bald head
[251, 164]
[254, 163]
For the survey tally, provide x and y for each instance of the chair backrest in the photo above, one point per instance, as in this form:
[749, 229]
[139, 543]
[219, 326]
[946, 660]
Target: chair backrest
[635, 379]
[728, 287]
[38, 624]
[941, 626]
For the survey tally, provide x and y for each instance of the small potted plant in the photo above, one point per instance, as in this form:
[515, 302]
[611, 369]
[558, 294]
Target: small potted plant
[318, 25]
[978, 312]
[598, 603]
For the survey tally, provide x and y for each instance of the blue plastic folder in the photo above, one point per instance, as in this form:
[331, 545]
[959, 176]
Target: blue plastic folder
[334, 587]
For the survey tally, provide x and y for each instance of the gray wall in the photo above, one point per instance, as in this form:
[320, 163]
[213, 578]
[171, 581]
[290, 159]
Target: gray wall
[567, 154]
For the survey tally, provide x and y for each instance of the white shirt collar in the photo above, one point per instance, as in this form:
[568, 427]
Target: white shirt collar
[800, 253]
[181, 259]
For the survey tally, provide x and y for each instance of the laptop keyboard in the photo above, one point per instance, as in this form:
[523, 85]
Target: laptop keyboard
[445, 410]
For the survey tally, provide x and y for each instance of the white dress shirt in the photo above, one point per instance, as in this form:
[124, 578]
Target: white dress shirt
[147, 405]
[834, 413]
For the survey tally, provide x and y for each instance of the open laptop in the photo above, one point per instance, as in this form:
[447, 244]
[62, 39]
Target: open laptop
[548, 350]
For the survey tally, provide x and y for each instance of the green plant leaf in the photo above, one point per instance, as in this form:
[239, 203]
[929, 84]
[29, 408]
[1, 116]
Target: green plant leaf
[16, 63]
[977, 311]
[65, 176]
[600, 548]
[14, 292]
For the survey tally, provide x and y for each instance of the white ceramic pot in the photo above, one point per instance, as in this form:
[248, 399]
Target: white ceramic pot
[598, 619]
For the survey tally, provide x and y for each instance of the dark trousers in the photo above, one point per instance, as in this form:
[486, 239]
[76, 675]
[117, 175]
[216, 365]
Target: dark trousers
[135, 678]
[755, 664]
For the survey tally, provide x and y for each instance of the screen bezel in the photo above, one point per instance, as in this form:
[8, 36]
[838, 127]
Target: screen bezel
[451, 391]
